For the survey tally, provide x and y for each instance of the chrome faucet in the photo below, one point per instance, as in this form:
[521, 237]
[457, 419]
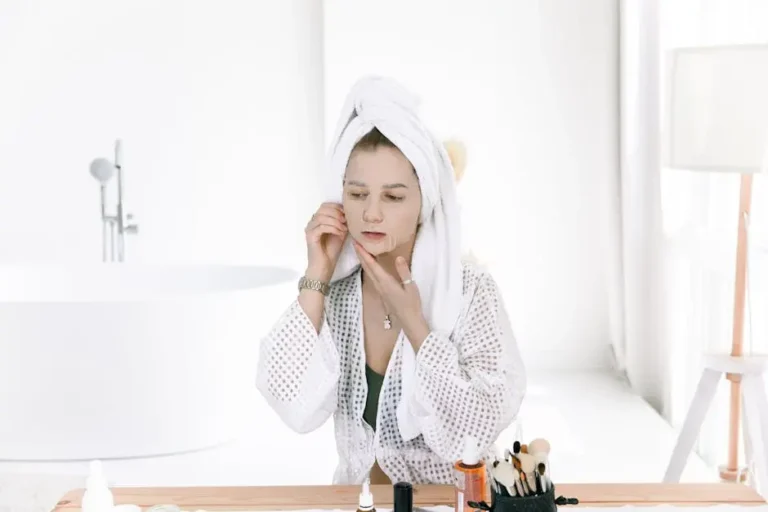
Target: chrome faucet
[114, 225]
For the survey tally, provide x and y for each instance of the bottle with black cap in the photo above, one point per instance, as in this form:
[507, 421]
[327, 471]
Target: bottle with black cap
[403, 497]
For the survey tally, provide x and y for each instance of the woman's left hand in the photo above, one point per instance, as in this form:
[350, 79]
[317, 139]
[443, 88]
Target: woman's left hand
[401, 297]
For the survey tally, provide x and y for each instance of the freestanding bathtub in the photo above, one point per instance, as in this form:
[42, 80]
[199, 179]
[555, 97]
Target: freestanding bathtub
[128, 360]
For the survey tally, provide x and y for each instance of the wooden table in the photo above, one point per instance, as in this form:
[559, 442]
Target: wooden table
[345, 497]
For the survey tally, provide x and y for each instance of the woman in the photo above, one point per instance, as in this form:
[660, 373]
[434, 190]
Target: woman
[408, 348]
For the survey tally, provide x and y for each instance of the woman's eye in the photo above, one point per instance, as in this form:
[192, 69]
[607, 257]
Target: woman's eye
[356, 195]
[394, 198]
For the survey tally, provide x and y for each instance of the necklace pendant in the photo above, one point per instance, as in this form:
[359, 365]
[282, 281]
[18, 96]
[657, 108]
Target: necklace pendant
[387, 323]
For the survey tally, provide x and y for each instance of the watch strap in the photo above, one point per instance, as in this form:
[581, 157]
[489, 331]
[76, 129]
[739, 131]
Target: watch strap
[313, 284]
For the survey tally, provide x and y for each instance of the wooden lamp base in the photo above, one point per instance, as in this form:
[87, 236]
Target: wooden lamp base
[733, 475]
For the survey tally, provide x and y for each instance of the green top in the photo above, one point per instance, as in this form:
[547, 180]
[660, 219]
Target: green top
[372, 401]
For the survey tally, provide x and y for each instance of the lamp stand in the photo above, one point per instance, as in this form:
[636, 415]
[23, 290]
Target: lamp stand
[747, 377]
[731, 470]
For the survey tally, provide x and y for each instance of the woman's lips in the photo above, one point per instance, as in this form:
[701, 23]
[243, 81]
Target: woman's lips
[373, 236]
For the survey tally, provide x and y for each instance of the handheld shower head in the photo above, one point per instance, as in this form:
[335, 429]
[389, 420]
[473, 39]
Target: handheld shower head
[118, 153]
[103, 170]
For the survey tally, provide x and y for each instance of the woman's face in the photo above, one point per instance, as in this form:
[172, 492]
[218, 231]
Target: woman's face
[382, 199]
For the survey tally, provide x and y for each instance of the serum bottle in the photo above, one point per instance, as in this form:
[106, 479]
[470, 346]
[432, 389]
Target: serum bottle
[471, 478]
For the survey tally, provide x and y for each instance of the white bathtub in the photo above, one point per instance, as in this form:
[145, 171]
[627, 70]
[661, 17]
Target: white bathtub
[125, 360]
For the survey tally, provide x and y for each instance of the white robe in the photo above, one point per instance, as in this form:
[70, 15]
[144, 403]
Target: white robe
[469, 383]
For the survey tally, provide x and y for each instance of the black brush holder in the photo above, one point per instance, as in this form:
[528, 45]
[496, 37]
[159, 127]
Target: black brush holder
[544, 502]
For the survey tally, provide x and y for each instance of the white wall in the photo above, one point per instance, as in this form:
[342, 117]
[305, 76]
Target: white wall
[220, 109]
[219, 106]
[531, 87]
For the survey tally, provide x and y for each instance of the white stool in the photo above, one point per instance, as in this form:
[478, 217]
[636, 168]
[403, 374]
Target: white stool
[754, 414]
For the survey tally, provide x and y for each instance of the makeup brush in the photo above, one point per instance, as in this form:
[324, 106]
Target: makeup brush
[537, 479]
[504, 474]
[543, 458]
[543, 476]
[523, 448]
[516, 447]
[497, 452]
[519, 484]
[539, 445]
[528, 464]
[508, 455]
[497, 487]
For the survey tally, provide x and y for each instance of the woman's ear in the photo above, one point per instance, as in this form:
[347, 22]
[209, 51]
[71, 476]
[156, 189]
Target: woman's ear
[457, 153]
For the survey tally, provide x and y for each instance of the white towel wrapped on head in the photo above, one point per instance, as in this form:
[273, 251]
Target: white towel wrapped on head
[382, 103]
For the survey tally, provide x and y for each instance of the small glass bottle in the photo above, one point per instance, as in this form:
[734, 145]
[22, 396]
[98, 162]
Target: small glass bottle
[365, 501]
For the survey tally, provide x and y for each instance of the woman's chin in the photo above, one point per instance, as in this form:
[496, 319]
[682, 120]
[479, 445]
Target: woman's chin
[375, 248]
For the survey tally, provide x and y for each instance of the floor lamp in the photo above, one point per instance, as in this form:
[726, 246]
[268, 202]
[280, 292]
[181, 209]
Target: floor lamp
[718, 122]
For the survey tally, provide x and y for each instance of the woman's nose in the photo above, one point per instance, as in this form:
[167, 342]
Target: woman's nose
[372, 212]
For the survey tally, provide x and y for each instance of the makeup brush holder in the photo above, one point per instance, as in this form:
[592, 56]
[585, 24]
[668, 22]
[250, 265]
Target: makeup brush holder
[544, 502]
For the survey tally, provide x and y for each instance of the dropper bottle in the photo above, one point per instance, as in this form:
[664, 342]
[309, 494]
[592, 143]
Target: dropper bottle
[365, 503]
[97, 497]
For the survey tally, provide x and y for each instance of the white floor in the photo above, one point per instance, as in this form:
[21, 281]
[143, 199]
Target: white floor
[600, 432]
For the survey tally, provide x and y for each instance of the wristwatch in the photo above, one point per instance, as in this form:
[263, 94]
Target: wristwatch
[313, 284]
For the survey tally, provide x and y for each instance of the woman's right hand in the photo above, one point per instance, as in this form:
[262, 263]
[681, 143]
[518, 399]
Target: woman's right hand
[325, 234]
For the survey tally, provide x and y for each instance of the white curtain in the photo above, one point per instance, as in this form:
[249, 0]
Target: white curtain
[640, 352]
[679, 228]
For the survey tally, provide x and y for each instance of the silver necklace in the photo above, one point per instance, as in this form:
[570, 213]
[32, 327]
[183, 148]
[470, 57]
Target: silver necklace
[387, 321]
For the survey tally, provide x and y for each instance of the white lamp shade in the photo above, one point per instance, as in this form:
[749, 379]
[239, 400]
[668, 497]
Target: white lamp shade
[717, 116]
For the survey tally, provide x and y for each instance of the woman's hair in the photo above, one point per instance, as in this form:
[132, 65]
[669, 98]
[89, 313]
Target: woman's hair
[372, 140]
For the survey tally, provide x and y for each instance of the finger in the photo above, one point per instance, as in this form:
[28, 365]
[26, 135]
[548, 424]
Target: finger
[402, 269]
[365, 257]
[366, 267]
[332, 209]
[326, 220]
[318, 231]
[330, 212]
[322, 219]
[338, 206]
[381, 275]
